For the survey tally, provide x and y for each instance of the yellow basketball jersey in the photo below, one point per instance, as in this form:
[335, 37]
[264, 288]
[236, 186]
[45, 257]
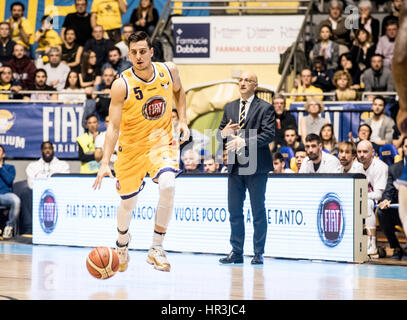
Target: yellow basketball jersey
[147, 110]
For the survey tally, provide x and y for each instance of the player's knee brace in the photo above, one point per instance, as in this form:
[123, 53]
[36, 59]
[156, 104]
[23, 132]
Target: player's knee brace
[166, 183]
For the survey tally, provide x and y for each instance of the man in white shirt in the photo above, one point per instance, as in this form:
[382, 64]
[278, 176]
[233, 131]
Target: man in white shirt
[376, 172]
[57, 70]
[347, 158]
[43, 168]
[318, 161]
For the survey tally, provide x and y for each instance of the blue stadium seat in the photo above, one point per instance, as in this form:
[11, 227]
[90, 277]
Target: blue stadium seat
[287, 153]
[387, 153]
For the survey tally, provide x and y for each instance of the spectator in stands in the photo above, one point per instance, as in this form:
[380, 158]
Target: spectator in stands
[394, 16]
[190, 159]
[72, 85]
[6, 44]
[99, 144]
[328, 139]
[367, 21]
[123, 45]
[7, 83]
[86, 146]
[99, 45]
[341, 34]
[80, 22]
[23, 67]
[103, 100]
[346, 63]
[7, 197]
[313, 122]
[321, 77]
[224, 168]
[364, 133]
[71, 50]
[347, 157]
[377, 77]
[381, 124]
[90, 76]
[40, 84]
[57, 71]
[279, 164]
[385, 46]
[343, 81]
[326, 48]
[116, 62]
[362, 49]
[145, 17]
[46, 38]
[20, 26]
[108, 14]
[376, 172]
[299, 155]
[318, 161]
[389, 217]
[303, 85]
[42, 168]
[283, 119]
[210, 165]
[291, 138]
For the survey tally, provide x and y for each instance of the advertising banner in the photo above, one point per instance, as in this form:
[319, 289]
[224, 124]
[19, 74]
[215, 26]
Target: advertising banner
[310, 218]
[23, 127]
[234, 39]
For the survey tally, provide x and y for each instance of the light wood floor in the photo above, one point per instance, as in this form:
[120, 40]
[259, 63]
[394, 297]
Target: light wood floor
[33, 272]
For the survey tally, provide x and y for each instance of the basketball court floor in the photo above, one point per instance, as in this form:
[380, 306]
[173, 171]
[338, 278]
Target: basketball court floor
[41, 272]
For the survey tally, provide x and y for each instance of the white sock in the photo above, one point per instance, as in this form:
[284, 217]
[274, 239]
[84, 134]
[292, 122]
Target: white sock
[158, 239]
[124, 218]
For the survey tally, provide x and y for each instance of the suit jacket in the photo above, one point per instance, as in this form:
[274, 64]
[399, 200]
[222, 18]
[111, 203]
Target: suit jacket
[261, 118]
[395, 172]
[386, 129]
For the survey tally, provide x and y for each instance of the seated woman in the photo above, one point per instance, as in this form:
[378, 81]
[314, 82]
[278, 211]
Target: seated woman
[313, 122]
[326, 47]
[328, 139]
[7, 84]
[90, 75]
[71, 51]
[343, 81]
[145, 17]
[72, 85]
[362, 49]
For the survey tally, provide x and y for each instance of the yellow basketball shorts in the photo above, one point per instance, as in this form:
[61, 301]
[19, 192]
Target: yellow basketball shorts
[134, 163]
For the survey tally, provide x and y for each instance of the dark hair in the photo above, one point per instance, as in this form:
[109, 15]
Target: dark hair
[90, 116]
[380, 98]
[313, 137]
[46, 142]
[50, 19]
[114, 48]
[77, 85]
[402, 143]
[366, 125]
[71, 29]
[299, 149]
[277, 156]
[377, 55]
[140, 36]
[333, 139]
[40, 70]
[291, 127]
[85, 62]
[349, 144]
[17, 4]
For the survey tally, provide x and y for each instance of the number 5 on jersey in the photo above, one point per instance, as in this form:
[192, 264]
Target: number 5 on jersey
[138, 93]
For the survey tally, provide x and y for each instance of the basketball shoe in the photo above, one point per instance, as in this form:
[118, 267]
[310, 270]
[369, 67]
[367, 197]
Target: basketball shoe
[157, 257]
[371, 247]
[122, 251]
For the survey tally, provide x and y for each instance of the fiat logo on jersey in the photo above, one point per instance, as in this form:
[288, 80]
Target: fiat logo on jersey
[48, 212]
[331, 221]
[154, 108]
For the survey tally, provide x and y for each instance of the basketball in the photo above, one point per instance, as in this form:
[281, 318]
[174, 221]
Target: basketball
[102, 262]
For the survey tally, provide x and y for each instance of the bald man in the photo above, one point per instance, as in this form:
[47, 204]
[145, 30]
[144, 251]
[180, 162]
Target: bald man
[247, 128]
[376, 172]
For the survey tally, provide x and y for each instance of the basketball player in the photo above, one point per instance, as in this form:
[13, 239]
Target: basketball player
[399, 67]
[141, 111]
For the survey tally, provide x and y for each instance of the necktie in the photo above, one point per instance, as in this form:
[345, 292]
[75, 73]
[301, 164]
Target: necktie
[242, 116]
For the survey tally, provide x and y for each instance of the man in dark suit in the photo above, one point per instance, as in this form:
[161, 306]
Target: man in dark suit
[389, 217]
[247, 127]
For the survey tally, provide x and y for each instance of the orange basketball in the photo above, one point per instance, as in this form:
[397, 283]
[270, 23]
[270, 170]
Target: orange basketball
[102, 262]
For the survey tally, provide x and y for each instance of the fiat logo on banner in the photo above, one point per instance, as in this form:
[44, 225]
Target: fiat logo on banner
[331, 220]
